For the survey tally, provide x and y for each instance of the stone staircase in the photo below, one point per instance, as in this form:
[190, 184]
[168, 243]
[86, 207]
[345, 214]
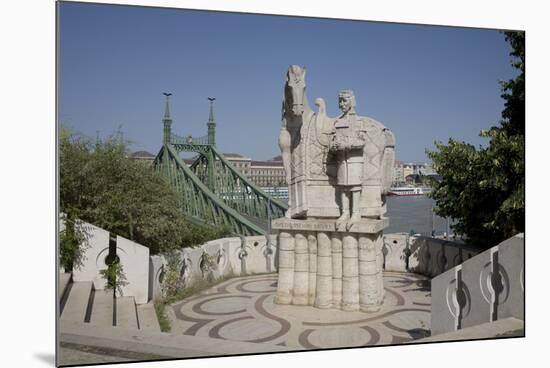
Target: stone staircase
[81, 303]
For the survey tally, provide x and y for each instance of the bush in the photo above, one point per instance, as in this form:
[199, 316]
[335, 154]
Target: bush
[101, 185]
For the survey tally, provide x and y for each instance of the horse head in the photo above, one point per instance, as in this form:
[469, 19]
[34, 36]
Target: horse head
[295, 88]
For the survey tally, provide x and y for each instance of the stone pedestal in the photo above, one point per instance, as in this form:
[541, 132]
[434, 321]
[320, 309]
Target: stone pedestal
[326, 268]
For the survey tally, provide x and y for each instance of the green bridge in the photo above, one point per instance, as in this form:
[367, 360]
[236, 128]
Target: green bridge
[213, 190]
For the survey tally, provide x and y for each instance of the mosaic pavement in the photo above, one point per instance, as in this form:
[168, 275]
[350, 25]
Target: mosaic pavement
[242, 309]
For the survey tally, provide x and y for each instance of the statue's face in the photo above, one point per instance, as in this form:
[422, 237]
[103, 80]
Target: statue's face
[345, 103]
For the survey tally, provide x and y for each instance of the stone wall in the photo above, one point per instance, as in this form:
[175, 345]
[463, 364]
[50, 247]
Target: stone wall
[144, 273]
[134, 259]
[423, 255]
[95, 249]
[485, 288]
[232, 257]
[244, 256]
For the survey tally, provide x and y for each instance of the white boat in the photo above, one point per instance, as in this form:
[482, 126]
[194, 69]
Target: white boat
[408, 191]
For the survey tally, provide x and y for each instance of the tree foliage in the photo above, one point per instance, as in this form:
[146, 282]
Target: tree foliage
[483, 189]
[101, 185]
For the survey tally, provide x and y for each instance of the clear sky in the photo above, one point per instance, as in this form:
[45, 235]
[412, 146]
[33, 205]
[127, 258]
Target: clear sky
[426, 83]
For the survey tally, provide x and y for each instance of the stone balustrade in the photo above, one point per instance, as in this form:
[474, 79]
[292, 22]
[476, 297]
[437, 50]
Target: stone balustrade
[423, 255]
[144, 274]
[231, 256]
[483, 289]
[318, 267]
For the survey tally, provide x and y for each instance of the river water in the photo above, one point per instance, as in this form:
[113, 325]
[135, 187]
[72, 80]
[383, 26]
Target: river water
[413, 213]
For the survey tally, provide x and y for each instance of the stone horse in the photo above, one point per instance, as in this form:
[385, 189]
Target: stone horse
[310, 169]
[303, 136]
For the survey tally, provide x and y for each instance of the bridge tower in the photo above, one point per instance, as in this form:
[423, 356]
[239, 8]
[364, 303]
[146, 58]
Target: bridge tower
[211, 123]
[167, 120]
[211, 142]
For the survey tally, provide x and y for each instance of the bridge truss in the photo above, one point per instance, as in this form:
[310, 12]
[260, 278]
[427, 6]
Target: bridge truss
[213, 190]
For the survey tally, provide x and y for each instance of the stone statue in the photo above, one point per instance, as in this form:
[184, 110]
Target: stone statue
[295, 113]
[314, 165]
[347, 142]
[338, 172]
[303, 141]
[364, 151]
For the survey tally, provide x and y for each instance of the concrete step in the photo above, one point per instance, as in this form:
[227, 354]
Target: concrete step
[102, 309]
[77, 302]
[126, 312]
[64, 279]
[148, 317]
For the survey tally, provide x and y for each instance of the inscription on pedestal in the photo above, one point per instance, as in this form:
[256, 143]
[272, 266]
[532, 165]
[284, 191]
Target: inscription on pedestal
[367, 226]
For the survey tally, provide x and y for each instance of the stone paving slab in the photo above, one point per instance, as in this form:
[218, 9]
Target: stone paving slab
[74, 355]
[140, 344]
[242, 309]
[239, 317]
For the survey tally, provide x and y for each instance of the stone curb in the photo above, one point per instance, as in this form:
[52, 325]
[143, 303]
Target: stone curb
[163, 344]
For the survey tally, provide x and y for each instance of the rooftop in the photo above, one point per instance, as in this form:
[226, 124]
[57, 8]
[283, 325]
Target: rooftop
[142, 154]
[233, 155]
[267, 163]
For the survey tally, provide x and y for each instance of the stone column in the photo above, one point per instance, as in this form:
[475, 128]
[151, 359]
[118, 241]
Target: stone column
[323, 295]
[350, 274]
[301, 270]
[368, 275]
[286, 268]
[312, 282]
[379, 267]
[336, 245]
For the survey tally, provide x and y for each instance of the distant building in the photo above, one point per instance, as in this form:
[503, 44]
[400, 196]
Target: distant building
[410, 172]
[398, 174]
[413, 179]
[269, 173]
[189, 161]
[143, 156]
[426, 170]
[239, 162]
[408, 169]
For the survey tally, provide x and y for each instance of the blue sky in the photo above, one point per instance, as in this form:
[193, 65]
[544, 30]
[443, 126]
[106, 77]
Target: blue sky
[426, 83]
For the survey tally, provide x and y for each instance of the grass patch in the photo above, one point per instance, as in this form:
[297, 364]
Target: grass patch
[161, 303]
[164, 321]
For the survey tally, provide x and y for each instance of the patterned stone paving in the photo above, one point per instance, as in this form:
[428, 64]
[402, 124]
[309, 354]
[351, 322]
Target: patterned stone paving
[242, 309]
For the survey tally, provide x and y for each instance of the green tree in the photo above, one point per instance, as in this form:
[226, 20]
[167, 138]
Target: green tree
[101, 185]
[483, 189]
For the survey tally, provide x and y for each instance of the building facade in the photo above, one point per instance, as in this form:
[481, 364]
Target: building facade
[270, 173]
[406, 172]
[240, 163]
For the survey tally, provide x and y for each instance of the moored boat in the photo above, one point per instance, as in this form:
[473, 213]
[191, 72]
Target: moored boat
[408, 191]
